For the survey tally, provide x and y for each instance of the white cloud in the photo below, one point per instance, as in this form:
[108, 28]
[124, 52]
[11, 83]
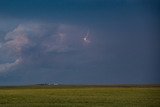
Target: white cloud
[17, 43]
[8, 66]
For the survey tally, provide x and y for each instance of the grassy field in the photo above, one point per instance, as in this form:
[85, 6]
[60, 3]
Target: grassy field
[47, 96]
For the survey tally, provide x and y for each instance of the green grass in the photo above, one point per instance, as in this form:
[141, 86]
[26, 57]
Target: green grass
[79, 97]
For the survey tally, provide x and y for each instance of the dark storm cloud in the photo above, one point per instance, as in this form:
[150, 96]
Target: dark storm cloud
[39, 43]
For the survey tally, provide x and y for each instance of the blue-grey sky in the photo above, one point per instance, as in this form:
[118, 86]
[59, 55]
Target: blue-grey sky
[79, 41]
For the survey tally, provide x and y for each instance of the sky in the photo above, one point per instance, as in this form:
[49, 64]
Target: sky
[79, 42]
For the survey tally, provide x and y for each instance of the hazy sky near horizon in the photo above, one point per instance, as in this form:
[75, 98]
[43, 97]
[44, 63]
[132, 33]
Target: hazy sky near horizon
[79, 41]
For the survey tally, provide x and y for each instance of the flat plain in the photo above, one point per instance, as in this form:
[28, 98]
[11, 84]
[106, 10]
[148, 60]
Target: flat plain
[79, 96]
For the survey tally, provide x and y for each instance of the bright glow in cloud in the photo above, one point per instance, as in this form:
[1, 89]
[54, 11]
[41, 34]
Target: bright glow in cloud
[86, 37]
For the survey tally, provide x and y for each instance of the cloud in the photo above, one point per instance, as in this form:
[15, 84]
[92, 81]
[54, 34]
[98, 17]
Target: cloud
[8, 66]
[39, 43]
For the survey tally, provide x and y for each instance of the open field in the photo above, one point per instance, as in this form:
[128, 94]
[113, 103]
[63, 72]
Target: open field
[77, 96]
